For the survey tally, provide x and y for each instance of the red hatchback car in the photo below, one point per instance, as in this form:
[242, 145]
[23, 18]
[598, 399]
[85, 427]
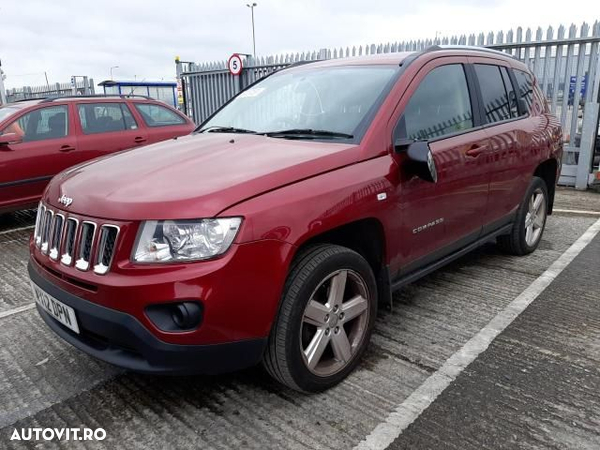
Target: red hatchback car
[40, 138]
[272, 233]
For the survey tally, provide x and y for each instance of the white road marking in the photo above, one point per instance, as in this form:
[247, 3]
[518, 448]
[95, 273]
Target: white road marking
[28, 227]
[409, 410]
[18, 310]
[576, 211]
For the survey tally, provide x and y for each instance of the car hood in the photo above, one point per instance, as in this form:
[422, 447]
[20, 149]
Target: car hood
[193, 176]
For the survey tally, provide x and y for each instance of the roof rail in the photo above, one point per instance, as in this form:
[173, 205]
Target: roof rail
[434, 48]
[56, 97]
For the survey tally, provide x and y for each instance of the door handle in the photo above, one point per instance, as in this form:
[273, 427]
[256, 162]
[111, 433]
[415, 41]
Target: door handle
[475, 150]
[139, 139]
[67, 148]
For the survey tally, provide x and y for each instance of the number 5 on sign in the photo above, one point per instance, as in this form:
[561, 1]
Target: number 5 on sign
[235, 64]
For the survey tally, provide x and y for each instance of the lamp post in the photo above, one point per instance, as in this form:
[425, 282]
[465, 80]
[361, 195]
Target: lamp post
[252, 6]
[111, 71]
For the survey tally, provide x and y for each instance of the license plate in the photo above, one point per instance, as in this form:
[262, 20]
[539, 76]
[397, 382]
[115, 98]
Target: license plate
[61, 312]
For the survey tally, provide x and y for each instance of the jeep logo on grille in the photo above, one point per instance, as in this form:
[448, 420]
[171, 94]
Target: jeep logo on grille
[65, 200]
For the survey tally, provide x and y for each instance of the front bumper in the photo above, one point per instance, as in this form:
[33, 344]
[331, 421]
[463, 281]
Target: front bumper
[120, 339]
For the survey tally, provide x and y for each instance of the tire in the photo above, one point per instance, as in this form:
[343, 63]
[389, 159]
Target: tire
[519, 242]
[299, 327]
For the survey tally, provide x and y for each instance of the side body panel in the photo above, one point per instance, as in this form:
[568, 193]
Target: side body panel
[27, 167]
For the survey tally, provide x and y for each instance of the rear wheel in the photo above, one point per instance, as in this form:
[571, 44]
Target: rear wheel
[530, 221]
[325, 320]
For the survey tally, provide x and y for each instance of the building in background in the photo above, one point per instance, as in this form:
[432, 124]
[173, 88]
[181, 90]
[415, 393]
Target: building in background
[159, 90]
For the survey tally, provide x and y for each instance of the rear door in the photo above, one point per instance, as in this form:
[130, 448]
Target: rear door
[48, 145]
[508, 132]
[439, 218]
[107, 127]
[162, 122]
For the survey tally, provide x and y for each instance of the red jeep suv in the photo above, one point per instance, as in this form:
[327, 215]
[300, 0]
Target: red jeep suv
[40, 138]
[272, 232]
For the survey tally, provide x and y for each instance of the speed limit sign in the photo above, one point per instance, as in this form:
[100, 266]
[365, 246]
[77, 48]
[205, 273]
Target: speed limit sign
[235, 64]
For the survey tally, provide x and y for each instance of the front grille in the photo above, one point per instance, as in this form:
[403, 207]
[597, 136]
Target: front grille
[59, 235]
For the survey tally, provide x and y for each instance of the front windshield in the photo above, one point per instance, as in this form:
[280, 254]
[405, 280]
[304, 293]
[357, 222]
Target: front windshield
[6, 111]
[333, 99]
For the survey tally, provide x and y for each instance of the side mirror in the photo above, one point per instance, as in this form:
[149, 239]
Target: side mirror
[9, 139]
[420, 158]
[522, 105]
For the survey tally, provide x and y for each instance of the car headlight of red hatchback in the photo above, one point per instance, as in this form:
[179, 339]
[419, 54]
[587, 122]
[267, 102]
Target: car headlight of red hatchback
[184, 240]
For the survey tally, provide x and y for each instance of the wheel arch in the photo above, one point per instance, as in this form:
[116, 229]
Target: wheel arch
[548, 171]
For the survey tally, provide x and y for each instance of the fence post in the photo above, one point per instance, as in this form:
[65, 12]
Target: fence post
[2, 91]
[589, 131]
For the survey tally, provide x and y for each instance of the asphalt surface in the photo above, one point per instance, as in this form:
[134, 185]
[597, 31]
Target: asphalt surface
[44, 382]
[537, 385]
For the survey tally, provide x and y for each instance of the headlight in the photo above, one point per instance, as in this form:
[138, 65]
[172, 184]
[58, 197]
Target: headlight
[185, 240]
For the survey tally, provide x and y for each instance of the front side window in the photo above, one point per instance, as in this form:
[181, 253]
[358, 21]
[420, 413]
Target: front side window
[441, 105]
[40, 124]
[525, 82]
[158, 116]
[105, 117]
[330, 99]
[493, 92]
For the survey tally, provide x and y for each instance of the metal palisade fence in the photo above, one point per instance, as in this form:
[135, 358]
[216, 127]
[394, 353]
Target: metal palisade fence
[82, 87]
[565, 61]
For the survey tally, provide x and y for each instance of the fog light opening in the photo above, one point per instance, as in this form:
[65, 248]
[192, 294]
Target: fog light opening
[180, 316]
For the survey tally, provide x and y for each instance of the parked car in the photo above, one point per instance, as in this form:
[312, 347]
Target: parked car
[272, 232]
[40, 138]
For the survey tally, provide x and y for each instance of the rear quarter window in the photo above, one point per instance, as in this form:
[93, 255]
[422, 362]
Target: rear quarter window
[158, 116]
[525, 83]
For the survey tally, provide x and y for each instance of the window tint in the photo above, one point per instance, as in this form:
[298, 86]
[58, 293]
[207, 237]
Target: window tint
[44, 123]
[105, 117]
[525, 82]
[495, 99]
[441, 105]
[158, 116]
[512, 98]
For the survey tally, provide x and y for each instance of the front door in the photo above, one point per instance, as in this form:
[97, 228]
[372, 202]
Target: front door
[439, 218]
[47, 146]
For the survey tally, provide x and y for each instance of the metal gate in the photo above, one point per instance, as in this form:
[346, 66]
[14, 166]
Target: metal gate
[567, 67]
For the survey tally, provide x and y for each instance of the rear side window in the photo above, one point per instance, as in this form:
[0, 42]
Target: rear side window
[510, 90]
[41, 124]
[158, 116]
[525, 82]
[441, 105]
[493, 91]
[105, 117]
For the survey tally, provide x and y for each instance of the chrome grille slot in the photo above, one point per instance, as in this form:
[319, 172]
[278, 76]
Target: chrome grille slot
[69, 241]
[39, 220]
[86, 241]
[57, 233]
[46, 230]
[106, 248]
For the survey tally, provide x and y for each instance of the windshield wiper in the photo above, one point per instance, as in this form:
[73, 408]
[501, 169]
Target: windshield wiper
[308, 133]
[219, 129]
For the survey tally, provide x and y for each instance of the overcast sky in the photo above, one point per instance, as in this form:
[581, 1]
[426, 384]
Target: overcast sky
[142, 37]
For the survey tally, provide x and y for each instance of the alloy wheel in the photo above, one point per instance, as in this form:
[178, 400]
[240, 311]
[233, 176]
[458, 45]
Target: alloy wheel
[535, 218]
[335, 322]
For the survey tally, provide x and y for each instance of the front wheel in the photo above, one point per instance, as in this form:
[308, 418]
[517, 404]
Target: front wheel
[325, 321]
[530, 221]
